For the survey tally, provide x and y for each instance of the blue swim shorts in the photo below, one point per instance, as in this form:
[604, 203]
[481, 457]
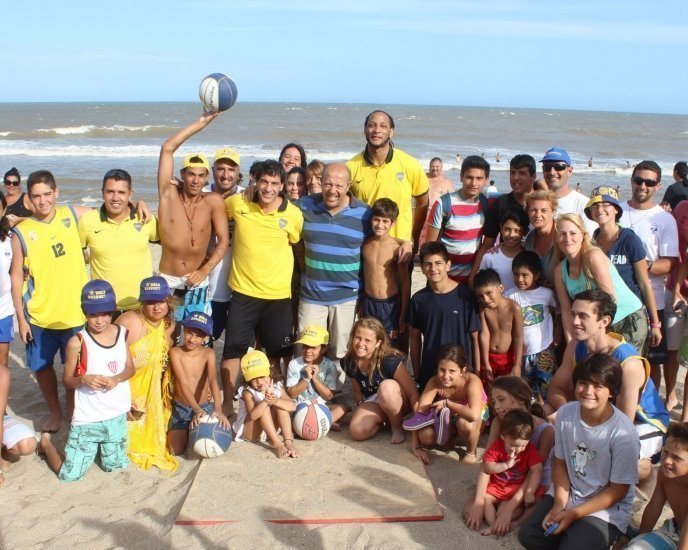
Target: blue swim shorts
[182, 414]
[45, 343]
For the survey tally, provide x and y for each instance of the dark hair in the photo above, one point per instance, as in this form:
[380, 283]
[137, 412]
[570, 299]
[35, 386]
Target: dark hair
[433, 248]
[41, 176]
[4, 222]
[517, 215]
[678, 431]
[391, 120]
[385, 208]
[606, 306]
[302, 152]
[433, 159]
[270, 168]
[12, 172]
[298, 170]
[599, 368]
[519, 389]
[118, 175]
[487, 277]
[528, 259]
[523, 161]
[650, 165]
[253, 170]
[517, 424]
[474, 161]
[455, 354]
[681, 169]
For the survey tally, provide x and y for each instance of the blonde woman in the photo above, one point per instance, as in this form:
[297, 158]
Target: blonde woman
[541, 207]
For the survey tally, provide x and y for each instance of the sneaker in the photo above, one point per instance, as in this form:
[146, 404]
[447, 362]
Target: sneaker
[420, 420]
[443, 426]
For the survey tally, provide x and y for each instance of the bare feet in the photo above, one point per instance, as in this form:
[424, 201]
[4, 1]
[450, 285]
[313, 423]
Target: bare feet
[486, 532]
[44, 443]
[470, 458]
[398, 436]
[52, 425]
[281, 451]
[671, 401]
[289, 443]
[228, 408]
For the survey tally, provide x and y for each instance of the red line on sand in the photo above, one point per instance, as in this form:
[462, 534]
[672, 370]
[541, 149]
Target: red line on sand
[390, 519]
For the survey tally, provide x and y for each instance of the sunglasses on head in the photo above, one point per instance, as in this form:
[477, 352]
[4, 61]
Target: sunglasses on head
[11, 183]
[649, 183]
[559, 167]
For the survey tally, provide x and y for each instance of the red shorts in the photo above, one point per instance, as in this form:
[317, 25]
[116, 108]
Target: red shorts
[501, 363]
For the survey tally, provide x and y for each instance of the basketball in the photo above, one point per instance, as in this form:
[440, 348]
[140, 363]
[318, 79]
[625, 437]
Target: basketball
[217, 92]
[312, 421]
[209, 439]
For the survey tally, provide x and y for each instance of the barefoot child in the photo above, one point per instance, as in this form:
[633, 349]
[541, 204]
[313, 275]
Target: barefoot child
[383, 388]
[672, 484]
[313, 376]
[196, 391]
[513, 226]
[98, 366]
[501, 333]
[511, 393]
[509, 461]
[458, 391]
[387, 288]
[264, 406]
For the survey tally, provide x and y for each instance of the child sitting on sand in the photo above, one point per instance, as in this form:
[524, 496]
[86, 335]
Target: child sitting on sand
[313, 377]
[264, 406]
[509, 461]
[456, 398]
[196, 391]
[98, 366]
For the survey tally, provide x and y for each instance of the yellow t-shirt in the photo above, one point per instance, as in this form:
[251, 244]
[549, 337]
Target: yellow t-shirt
[263, 261]
[399, 178]
[119, 252]
[57, 273]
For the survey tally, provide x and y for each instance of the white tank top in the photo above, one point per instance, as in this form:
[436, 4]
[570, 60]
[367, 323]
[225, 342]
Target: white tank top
[95, 405]
[6, 306]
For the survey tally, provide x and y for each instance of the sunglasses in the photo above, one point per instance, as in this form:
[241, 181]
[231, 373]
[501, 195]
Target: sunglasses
[649, 183]
[559, 167]
[10, 183]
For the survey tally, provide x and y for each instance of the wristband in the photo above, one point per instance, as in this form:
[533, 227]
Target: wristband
[650, 263]
[656, 325]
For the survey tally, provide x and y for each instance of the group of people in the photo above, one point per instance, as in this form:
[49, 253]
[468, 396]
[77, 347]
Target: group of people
[561, 312]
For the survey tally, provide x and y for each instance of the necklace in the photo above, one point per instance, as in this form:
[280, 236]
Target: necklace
[190, 218]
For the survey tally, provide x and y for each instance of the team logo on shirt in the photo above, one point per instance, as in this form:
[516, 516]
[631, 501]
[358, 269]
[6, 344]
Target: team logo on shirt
[67, 222]
[32, 235]
[112, 365]
[137, 226]
[282, 223]
[400, 176]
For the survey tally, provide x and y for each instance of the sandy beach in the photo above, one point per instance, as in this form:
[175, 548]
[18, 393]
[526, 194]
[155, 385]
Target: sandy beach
[138, 509]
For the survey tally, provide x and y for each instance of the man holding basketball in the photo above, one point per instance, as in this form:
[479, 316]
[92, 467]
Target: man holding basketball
[183, 214]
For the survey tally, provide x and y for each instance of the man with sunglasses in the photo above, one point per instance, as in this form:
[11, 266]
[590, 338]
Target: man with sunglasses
[18, 204]
[556, 171]
[658, 231]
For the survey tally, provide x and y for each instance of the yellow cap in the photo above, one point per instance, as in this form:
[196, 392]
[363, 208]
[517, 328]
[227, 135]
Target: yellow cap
[229, 154]
[255, 364]
[314, 336]
[196, 160]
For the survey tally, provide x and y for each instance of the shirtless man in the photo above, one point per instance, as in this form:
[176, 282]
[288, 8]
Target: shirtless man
[439, 183]
[387, 289]
[183, 214]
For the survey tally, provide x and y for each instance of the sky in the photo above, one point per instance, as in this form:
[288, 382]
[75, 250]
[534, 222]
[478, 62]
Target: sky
[625, 56]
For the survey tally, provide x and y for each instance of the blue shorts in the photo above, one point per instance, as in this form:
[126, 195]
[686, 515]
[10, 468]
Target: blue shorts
[386, 311]
[194, 299]
[182, 415]
[538, 369]
[110, 436]
[220, 311]
[45, 343]
[7, 329]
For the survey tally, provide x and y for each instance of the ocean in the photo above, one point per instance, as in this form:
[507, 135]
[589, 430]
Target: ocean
[79, 142]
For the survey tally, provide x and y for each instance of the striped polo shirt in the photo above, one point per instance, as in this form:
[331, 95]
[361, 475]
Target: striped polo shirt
[333, 250]
[462, 235]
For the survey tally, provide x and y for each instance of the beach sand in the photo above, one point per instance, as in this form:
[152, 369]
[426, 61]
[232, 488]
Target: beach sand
[138, 509]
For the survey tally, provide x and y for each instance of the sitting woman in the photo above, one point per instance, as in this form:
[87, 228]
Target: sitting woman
[586, 267]
[149, 338]
[383, 388]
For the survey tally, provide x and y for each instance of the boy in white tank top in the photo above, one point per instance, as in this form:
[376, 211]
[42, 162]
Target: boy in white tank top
[98, 366]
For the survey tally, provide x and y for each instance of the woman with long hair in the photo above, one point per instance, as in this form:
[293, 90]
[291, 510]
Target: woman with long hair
[541, 207]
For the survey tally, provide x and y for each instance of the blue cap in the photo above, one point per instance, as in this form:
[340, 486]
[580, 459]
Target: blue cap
[154, 289]
[199, 320]
[556, 154]
[97, 296]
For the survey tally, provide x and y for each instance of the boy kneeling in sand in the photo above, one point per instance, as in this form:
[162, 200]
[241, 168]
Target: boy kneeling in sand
[98, 366]
[196, 391]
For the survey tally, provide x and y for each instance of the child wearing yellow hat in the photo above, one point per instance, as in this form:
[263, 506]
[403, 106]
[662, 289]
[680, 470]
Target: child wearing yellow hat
[313, 377]
[264, 406]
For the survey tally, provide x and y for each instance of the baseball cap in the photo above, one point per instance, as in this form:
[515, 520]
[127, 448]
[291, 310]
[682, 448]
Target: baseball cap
[196, 160]
[97, 296]
[227, 153]
[154, 289]
[604, 193]
[199, 320]
[556, 154]
[254, 364]
[314, 336]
